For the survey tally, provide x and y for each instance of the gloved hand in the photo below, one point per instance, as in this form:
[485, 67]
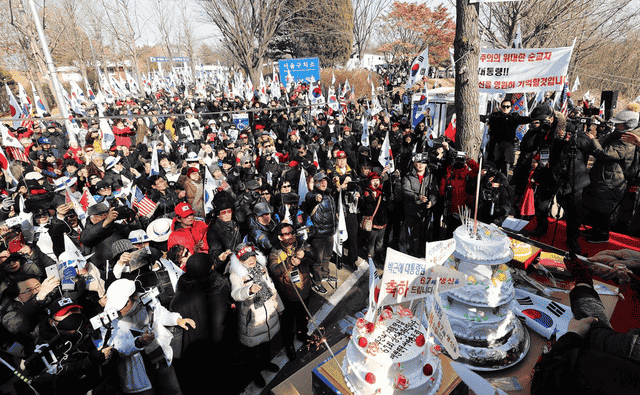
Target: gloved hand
[7, 204]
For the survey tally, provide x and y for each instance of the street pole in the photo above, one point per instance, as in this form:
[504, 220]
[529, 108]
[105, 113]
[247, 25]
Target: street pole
[62, 105]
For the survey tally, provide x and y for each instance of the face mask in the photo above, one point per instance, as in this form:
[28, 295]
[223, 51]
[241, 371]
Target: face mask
[74, 322]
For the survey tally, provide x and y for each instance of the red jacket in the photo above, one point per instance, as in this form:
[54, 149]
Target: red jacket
[188, 237]
[122, 136]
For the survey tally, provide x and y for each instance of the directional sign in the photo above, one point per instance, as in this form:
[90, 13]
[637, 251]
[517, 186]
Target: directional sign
[163, 59]
[303, 69]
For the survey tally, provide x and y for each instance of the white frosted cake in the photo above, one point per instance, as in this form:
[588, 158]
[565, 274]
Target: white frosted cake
[392, 356]
[481, 314]
[488, 245]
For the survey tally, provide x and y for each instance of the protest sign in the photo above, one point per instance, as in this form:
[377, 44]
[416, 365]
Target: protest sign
[523, 70]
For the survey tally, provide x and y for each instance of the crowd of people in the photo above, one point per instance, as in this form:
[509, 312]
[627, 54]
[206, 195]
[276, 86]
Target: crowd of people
[157, 275]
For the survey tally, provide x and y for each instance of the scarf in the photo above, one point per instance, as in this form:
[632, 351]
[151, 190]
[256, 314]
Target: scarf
[265, 292]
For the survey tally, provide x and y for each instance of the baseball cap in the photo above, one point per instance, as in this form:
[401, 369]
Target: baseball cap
[61, 306]
[184, 210]
[245, 250]
[262, 208]
[118, 294]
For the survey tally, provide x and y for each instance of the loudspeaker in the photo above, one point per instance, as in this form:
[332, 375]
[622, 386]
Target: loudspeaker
[610, 99]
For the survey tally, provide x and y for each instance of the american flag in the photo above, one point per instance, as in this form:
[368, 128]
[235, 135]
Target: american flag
[520, 106]
[142, 202]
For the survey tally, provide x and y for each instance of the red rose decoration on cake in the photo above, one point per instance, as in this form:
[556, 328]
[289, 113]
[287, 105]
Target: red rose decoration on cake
[401, 382]
[420, 340]
[370, 327]
[373, 348]
[362, 342]
[436, 349]
[427, 370]
[370, 378]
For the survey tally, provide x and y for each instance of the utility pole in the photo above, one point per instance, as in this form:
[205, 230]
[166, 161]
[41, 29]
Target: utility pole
[466, 55]
[62, 105]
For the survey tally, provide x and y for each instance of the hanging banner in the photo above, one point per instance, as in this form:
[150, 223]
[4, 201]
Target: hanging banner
[523, 70]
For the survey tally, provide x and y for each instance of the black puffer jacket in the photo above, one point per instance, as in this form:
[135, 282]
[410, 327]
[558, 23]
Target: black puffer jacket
[323, 214]
[613, 158]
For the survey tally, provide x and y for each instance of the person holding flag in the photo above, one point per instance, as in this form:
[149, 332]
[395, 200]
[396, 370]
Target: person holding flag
[325, 223]
[420, 192]
[502, 133]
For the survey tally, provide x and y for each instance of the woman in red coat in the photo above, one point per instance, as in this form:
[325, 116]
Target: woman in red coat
[122, 133]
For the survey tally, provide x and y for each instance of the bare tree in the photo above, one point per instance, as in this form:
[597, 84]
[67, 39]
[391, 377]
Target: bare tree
[247, 26]
[467, 55]
[188, 40]
[365, 17]
[163, 14]
[123, 24]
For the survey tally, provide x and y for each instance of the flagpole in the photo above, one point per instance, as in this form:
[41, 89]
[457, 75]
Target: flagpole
[52, 69]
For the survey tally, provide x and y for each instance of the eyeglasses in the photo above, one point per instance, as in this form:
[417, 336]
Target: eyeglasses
[30, 290]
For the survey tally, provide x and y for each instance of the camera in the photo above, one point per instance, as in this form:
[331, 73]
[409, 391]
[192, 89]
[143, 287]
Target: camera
[103, 319]
[150, 296]
[125, 213]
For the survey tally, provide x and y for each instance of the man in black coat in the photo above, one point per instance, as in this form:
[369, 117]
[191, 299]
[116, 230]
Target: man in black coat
[502, 135]
[100, 232]
[223, 235]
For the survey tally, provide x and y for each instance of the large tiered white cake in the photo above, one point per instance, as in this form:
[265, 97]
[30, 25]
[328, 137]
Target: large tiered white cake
[392, 356]
[481, 314]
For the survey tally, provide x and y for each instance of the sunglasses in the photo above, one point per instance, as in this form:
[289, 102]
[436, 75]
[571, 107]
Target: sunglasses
[264, 193]
[286, 186]
[506, 106]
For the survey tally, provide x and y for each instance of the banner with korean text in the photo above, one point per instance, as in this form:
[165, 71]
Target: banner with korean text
[406, 278]
[523, 70]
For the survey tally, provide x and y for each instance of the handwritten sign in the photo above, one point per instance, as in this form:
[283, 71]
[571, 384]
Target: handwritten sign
[438, 252]
[439, 325]
[406, 278]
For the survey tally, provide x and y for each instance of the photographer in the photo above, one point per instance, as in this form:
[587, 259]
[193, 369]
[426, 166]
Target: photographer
[494, 202]
[142, 340]
[101, 231]
[80, 365]
[453, 188]
[535, 149]
[614, 159]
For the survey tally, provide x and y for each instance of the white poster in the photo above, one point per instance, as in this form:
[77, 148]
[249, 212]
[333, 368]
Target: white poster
[523, 70]
[406, 278]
